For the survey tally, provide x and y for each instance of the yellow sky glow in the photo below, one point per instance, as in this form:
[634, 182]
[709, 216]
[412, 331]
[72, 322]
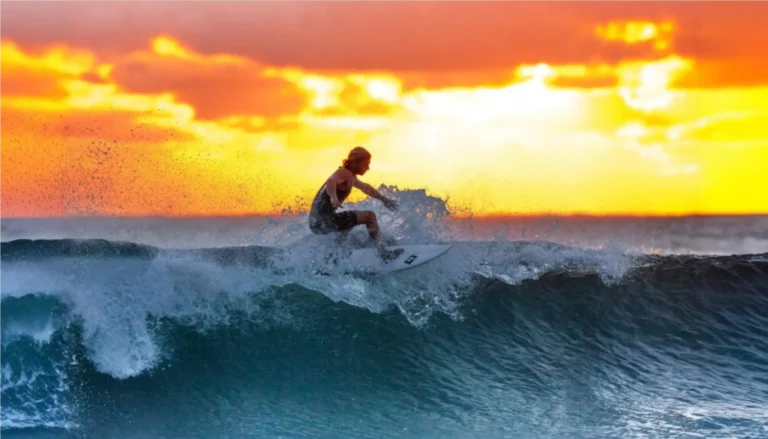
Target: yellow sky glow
[573, 138]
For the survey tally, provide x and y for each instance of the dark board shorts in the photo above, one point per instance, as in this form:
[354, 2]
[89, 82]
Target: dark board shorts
[334, 222]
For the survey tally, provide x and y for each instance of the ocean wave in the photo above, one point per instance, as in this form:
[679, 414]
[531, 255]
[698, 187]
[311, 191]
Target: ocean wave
[84, 321]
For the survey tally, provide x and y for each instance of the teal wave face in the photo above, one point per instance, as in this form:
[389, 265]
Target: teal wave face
[518, 340]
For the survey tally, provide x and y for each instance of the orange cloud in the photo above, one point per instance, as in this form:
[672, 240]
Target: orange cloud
[53, 123]
[215, 86]
[179, 89]
[40, 75]
[739, 72]
[430, 37]
[725, 40]
[20, 82]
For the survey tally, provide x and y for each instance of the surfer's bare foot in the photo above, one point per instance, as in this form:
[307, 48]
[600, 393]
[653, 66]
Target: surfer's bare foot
[389, 255]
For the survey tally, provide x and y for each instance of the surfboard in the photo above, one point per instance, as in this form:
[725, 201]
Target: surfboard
[367, 260]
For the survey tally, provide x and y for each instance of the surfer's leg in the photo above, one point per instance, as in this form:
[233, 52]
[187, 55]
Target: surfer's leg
[369, 219]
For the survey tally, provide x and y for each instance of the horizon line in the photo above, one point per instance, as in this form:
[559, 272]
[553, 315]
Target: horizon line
[491, 216]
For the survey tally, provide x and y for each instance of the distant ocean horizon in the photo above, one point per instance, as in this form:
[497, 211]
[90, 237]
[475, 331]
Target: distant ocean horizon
[651, 233]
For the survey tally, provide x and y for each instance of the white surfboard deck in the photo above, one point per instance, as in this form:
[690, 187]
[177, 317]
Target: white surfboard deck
[367, 259]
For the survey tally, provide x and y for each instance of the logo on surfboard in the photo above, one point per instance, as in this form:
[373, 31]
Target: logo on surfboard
[410, 259]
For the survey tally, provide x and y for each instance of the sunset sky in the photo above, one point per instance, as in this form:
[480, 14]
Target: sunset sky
[229, 108]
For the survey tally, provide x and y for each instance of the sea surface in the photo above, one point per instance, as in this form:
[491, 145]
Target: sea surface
[538, 327]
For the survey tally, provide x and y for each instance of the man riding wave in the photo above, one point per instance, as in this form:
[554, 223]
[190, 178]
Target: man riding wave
[324, 219]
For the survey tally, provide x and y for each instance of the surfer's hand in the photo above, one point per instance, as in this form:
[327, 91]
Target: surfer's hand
[390, 203]
[336, 204]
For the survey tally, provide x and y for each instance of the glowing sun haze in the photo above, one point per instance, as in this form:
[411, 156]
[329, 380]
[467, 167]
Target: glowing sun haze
[222, 108]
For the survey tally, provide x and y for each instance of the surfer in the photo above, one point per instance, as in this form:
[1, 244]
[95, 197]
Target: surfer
[323, 217]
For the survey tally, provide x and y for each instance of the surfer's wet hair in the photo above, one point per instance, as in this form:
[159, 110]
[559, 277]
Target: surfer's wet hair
[356, 155]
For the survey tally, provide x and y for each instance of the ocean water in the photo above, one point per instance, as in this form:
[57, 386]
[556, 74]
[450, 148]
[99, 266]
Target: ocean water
[526, 328]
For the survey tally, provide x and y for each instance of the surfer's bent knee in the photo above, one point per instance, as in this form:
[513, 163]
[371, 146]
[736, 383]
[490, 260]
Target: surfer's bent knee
[366, 217]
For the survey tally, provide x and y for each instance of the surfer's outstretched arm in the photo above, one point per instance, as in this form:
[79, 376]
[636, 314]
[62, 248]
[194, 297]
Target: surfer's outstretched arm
[371, 192]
